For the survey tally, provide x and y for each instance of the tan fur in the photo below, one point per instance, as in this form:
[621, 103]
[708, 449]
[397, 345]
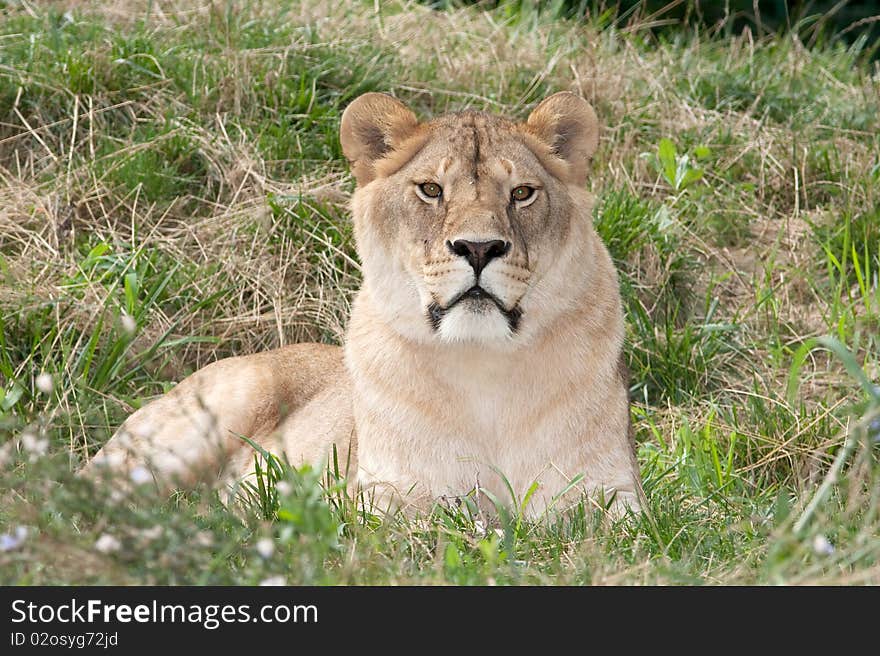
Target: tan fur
[440, 394]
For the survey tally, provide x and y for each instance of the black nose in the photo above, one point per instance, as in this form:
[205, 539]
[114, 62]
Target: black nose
[479, 253]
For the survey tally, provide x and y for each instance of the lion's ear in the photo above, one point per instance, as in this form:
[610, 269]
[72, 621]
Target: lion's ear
[568, 125]
[373, 125]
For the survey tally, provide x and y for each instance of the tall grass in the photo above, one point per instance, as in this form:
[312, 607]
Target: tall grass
[172, 192]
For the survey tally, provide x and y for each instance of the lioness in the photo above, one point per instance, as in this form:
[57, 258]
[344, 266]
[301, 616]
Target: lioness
[484, 346]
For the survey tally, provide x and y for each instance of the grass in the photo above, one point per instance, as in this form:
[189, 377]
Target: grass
[172, 192]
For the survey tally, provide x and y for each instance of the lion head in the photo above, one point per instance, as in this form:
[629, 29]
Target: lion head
[471, 227]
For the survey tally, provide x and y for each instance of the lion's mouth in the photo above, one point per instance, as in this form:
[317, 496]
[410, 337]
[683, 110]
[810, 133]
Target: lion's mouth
[436, 312]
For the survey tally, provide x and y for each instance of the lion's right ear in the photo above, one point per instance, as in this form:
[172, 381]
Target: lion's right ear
[373, 125]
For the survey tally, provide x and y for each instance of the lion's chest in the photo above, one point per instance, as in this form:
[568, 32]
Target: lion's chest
[474, 435]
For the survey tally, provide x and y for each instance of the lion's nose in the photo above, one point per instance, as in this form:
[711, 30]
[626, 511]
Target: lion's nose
[479, 253]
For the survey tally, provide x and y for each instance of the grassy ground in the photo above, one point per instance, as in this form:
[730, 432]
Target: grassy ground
[172, 191]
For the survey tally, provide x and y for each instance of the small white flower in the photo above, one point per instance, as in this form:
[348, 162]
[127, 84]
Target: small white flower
[284, 488]
[109, 460]
[874, 430]
[107, 544]
[33, 444]
[5, 454]
[151, 533]
[204, 539]
[274, 580]
[10, 541]
[45, 383]
[141, 476]
[822, 546]
[129, 325]
[265, 547]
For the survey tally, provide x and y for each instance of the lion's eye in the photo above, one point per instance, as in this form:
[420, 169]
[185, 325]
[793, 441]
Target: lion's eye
[522, 193]
[431, 189]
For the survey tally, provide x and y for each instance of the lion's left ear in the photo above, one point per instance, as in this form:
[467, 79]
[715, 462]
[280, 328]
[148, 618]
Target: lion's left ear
[372, 126]
[568, 125]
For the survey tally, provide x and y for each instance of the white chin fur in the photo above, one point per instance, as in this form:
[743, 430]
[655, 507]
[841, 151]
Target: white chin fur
[482, 324]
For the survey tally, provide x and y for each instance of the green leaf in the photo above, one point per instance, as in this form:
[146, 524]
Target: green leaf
[12, 396]
[691, 176]
[452, 557]
[131, 291]
[95, 254]
[666, 154]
